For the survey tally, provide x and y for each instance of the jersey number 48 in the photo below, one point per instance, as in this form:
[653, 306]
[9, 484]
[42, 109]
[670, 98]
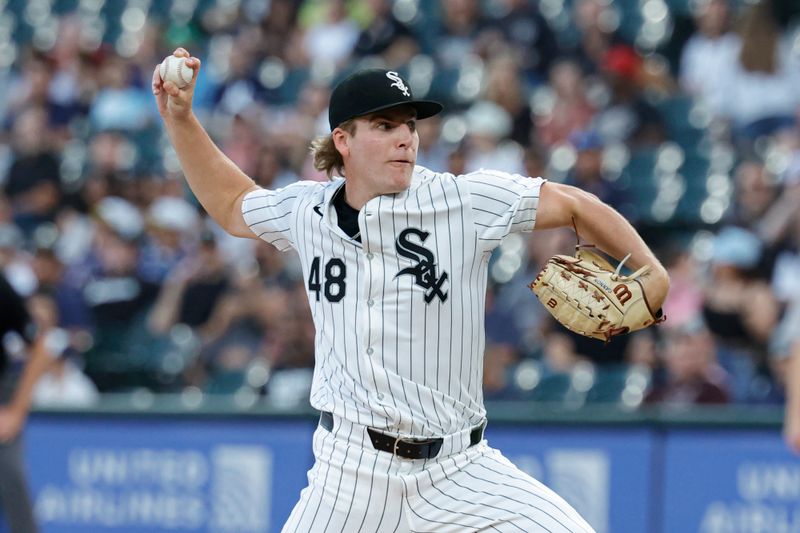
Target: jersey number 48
[333, 286]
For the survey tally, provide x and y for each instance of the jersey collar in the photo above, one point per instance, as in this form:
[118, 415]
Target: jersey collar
[328, 211]
[326, 207]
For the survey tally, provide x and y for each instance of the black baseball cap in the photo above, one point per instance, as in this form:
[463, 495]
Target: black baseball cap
[370, 90]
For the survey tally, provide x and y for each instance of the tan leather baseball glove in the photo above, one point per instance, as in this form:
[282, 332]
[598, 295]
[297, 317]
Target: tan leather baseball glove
[588, 296]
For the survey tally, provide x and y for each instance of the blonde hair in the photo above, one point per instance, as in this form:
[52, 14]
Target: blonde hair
[326, 157]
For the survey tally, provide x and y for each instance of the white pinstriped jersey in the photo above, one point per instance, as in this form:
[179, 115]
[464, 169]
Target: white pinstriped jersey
[399, 316]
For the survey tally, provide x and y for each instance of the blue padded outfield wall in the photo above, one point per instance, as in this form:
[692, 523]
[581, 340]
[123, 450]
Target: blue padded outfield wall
[244, 474]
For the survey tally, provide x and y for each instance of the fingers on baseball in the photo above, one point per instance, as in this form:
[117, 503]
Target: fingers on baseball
[156, 81]
[191, 61]
[171, 89]
[194, 63]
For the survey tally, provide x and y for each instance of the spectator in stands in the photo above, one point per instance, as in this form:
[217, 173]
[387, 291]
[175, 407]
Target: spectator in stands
[708, 52]
[487, 142]
[559, 354]
[692, 373]
[785, 282]
[109, 169]
[256, 317]
[272, 169]
[432, 153]
[240, 90]
[332, 35]
[115, 294]
[779, 228]
[290, 353]
[457, 160]
[685, 300]
[119, 104]
[32, 89]
[290, 131]
[596, 22]
[460, 23]
[33, 180]
[501, 328]
[171, 232]
[785, 226]
[760, 82]
[277, 26]
[274, 269]
[532, 42]
[739, 309]
[628, 117]
[243, 138]
[498, 370]
[755, 191]
[191, 296]
[588, 174]
[50, 272]
[571, 110]
[249, 322]
[505, 87]
[63, 384]
[14, 261]
[643, 350]
[385, 36]
[192, 289]
[535, 161]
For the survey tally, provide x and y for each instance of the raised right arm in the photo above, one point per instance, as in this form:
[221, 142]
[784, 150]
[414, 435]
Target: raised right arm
[216, 181]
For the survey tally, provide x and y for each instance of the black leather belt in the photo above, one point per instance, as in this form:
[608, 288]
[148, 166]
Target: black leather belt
[403, 447]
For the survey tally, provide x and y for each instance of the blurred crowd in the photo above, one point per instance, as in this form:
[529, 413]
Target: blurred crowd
[681, 114]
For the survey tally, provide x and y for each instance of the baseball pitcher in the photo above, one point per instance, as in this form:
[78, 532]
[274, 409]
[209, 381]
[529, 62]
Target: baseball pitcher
[395, 261]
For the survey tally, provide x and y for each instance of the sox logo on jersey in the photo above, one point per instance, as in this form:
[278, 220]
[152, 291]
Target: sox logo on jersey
[424, 271]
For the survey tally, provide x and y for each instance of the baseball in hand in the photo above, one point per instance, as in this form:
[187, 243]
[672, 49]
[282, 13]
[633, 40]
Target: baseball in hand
[176, 70]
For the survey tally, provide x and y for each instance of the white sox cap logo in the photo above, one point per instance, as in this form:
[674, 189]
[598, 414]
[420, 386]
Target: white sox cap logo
[366, 91]
[398, 82]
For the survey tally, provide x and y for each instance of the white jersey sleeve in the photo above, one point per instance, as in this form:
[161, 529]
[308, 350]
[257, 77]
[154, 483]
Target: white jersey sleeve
[268, 213]
[502, 203]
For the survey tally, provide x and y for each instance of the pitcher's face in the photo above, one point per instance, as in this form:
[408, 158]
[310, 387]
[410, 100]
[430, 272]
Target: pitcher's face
[381, 153]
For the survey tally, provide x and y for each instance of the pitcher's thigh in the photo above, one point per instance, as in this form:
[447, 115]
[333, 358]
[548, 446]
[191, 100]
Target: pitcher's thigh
[349, 489]
[481, 490]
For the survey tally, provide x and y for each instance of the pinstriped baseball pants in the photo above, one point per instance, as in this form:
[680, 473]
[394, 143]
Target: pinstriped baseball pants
[353, 488]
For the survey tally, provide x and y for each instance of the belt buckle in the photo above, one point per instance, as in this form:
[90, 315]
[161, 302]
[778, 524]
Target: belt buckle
[397, 441]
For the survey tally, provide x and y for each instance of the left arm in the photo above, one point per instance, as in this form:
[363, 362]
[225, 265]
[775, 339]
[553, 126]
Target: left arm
[599, 224]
